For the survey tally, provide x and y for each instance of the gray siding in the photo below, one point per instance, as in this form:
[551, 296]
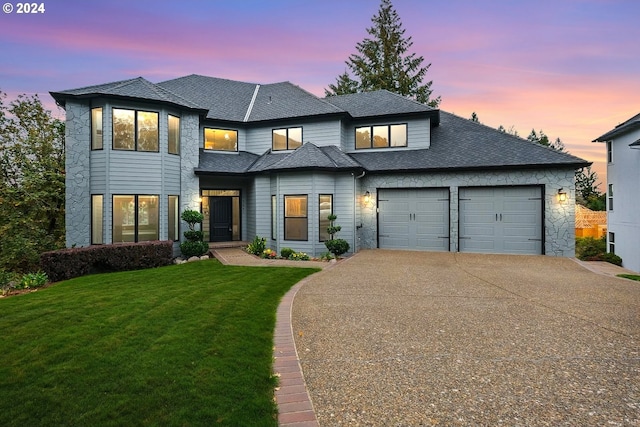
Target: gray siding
[259, 140]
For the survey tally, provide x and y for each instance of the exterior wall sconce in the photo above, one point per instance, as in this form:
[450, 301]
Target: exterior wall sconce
[367, 197]
[562, 195]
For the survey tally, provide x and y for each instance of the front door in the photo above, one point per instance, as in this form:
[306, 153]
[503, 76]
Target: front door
[220, 219]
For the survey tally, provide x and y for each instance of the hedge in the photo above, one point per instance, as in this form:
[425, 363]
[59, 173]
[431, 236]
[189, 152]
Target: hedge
[74, 262]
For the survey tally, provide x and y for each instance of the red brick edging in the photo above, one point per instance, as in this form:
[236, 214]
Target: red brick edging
[294, 404]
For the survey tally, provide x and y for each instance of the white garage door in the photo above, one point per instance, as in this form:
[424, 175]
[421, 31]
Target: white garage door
[501, 220]
[416, 219]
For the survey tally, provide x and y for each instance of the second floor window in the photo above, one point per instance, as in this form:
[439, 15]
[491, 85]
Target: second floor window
[174, 134]
[610, 197]
[220, 139]
[96, 128]
[135, 130]
[609, 152]
[381, 136]
[287, 139]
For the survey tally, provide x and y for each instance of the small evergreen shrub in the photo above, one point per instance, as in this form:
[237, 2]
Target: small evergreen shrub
[336, 246]
[286, 252]
[195, 244]
[612, 258]
[589, 247]
[193, 248]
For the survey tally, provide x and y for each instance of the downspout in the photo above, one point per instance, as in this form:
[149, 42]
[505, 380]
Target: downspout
[355, 204]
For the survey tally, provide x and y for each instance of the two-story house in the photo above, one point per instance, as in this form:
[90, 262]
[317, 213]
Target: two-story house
[623, 180]
[273, 160]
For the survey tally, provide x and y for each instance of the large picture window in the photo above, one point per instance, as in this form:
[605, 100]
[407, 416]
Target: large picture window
[96, 128]
[287, 139]
[174, 134]
[174, 218]
[381, 136]
[97, 202]
[135, 218]
[220, 139]
[325, 209]
[295, 218]
[135, 130]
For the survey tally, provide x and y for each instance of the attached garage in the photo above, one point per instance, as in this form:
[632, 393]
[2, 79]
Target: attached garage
[501, 220]
[414, 219]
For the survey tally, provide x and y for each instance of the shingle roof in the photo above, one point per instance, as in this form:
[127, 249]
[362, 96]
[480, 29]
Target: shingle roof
[137, 88]
[377, 103]
[307, 157]
[459, 143]
[631, 124]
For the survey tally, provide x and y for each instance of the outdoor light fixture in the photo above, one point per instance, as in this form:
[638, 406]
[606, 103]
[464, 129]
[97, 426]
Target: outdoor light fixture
[367, 197]
[562, 196]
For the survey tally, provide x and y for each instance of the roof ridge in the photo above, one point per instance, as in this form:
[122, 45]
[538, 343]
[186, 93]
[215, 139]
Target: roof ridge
[253, 100]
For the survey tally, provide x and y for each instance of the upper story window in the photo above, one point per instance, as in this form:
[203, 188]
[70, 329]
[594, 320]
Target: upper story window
[287, 139]
[174, 134]
[381, 136]
[96, 128]
[609, 152]
[220, 139]
[135, 130]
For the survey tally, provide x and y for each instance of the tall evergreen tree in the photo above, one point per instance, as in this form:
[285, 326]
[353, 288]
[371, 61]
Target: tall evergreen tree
[384, 62]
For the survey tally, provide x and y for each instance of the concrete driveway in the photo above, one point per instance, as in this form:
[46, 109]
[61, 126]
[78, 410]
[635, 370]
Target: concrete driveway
[395, 338]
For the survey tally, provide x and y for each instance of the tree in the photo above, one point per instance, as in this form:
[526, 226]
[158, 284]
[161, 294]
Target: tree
[384, 62]
[31, 182]
[587, 193]
[543, 139]
[474, 118]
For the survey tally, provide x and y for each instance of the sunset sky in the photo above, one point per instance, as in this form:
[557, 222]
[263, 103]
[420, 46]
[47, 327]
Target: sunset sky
[568, 67]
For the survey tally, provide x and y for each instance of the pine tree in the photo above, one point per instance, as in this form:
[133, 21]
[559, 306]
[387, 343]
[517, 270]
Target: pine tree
[384, 62]
[474, 118]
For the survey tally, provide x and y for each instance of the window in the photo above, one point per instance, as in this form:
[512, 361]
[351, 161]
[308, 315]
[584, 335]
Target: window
[326, 209]
[97, 237]
[174, 134]
[135, 130]
[610, 194]
[612, 241]
[609, 152]
[220, 139]
[135, 218]
[96, 128]
[274, 218]
[381, 136]
[174, 216]
[287, 139]
[295, 218]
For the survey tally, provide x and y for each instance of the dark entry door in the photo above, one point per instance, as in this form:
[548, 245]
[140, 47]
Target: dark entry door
[220, 219]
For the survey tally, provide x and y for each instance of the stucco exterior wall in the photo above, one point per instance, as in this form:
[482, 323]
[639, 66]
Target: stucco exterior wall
[559, 217]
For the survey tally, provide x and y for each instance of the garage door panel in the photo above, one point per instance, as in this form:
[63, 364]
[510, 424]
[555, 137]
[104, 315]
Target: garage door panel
[501, 219]
[414, 219]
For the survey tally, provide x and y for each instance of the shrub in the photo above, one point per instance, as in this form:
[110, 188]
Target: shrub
[7, 281]
[68, 263]
[612, 258]
[588, 247]
[269, 254]
[258, 246]
[193, 248]
[286, 252]
[337, 246]
[33, 280]
[193, 235]
[299, 256]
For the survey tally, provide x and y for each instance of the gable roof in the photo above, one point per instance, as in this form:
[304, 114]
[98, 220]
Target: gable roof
[628, 126]
[460, 144]
[378, 103]
[137, 88]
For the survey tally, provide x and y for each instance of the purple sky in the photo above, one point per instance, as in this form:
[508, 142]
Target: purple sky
[568, 67]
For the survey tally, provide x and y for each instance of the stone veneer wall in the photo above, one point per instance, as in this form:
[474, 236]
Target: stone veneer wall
[77, 167]
[559, 218]
[189, 158]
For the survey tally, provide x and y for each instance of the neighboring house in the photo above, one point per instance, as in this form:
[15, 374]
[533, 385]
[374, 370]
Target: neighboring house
[623, 191]
[274, 160]
[590, 223]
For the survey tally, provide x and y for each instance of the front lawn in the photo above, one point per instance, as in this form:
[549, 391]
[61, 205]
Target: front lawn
[630, 276]
[184, 345]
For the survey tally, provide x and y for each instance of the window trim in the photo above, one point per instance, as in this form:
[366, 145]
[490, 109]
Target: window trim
[136, 220]
[177, 152]
[95, 224]
[136, 135]
[93, 128]
[389, 141]
[320, 217]
[610, 197]
[287, 148]
[306, 197]
[609, 151]
[176, 226]
[204, 139]
[612, 242]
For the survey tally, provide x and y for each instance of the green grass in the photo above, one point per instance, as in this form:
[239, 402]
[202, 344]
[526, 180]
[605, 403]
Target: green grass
[630, 276]
[184, 345]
